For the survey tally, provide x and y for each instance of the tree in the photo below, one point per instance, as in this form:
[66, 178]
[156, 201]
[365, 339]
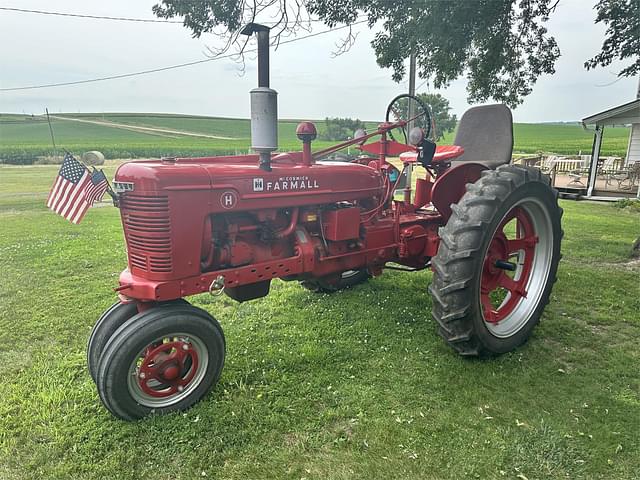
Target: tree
[622, 39]
[501, 46]
[445, 122]
[338, 129]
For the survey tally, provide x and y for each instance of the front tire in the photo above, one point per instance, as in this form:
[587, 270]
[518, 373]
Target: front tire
[162, 360]
[107, 324]
[497, 261]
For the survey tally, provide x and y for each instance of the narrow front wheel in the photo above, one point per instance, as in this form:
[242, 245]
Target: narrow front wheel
[107, 324]
[162, 360]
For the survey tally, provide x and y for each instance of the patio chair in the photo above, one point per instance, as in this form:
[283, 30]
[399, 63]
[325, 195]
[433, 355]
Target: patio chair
[631, 175]
[576, 177]
[609, 170]
[547, 164]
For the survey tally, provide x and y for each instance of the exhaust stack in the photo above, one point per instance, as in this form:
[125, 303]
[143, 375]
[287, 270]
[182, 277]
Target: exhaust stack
[264, 101]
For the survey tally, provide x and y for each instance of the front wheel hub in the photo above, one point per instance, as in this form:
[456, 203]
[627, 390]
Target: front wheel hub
[167, 370]
[171, 372]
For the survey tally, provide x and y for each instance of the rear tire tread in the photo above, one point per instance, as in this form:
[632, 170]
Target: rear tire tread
[455, 270]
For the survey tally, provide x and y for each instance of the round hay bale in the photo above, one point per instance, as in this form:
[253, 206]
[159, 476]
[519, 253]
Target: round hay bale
[93, 158]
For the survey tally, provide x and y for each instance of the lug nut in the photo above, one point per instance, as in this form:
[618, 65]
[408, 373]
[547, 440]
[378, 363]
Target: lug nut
[180, 388]
[142, 375]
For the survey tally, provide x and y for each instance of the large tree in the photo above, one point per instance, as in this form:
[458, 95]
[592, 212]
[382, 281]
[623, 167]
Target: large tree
[622, 40]
[501, 46]
[444, 121]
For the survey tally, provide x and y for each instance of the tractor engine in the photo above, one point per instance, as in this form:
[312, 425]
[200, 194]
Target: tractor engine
[184, 218]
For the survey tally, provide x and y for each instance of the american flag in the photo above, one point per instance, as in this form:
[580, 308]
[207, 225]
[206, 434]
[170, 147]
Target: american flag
[98, 186]
[75, 189]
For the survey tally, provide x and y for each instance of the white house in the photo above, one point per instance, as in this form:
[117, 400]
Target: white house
[625, 114]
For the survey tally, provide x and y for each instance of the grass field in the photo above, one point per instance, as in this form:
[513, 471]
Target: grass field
[26, 138]
[22, 138]
[350, 385]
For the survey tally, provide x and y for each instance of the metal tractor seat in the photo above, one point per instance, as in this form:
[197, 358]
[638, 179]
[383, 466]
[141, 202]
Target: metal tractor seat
[486, 134]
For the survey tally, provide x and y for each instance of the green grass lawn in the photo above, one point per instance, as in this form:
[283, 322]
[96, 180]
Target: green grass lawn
[350, 385]
[25, 137]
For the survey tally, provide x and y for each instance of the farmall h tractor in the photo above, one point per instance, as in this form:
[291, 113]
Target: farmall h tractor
[489, 231]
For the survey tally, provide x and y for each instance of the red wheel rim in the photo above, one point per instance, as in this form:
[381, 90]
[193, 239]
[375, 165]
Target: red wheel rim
[168, 368]
[500, 291]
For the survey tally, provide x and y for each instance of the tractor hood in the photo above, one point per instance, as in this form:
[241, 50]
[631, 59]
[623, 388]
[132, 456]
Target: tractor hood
[237, 183]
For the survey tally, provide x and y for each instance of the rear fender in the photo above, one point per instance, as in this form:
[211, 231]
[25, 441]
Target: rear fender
[452, 185]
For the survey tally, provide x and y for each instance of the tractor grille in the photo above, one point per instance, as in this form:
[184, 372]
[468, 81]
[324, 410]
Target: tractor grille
[147, 228]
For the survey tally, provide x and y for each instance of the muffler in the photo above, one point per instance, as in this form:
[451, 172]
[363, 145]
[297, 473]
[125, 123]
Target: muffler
[264, 101]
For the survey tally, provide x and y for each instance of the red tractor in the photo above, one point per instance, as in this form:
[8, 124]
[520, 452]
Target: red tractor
[489, 231]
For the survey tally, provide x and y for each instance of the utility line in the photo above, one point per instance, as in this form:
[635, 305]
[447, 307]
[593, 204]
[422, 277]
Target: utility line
[120, 19]
[170, 67]
[420, 86]
[95, 17]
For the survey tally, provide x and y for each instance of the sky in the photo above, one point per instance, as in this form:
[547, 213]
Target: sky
[311, 81]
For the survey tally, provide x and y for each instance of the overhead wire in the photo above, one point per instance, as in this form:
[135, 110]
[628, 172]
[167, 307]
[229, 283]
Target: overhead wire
[104, 17]
[170, 67]
[94, 17]
[420, 86]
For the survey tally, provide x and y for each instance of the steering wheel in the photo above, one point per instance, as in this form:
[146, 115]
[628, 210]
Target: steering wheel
[406, 107]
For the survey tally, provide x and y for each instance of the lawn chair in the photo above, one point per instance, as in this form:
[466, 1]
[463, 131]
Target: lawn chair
[631, 175]
[576, 177]
[549, 163]
[549, 166]
[608, 171]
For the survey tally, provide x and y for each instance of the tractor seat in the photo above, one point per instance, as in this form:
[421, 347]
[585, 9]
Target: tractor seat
[486, 135]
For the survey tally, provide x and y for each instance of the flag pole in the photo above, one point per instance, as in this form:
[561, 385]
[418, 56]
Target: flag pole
[53, 140]
[112, 194]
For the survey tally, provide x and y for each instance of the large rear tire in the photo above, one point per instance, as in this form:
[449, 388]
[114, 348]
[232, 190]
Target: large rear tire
[161, 360]
[497, 261]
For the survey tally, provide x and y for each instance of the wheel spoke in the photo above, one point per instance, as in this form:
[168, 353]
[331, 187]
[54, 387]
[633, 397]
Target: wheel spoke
[517, 244]
[515, 287]
[181, 352]
[487, 307]
[148, 372]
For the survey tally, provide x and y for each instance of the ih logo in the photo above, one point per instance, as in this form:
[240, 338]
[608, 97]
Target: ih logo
[228, 199]
[258, 184]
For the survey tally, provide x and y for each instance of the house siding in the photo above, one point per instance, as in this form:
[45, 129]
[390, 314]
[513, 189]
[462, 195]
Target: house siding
[633, 154]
